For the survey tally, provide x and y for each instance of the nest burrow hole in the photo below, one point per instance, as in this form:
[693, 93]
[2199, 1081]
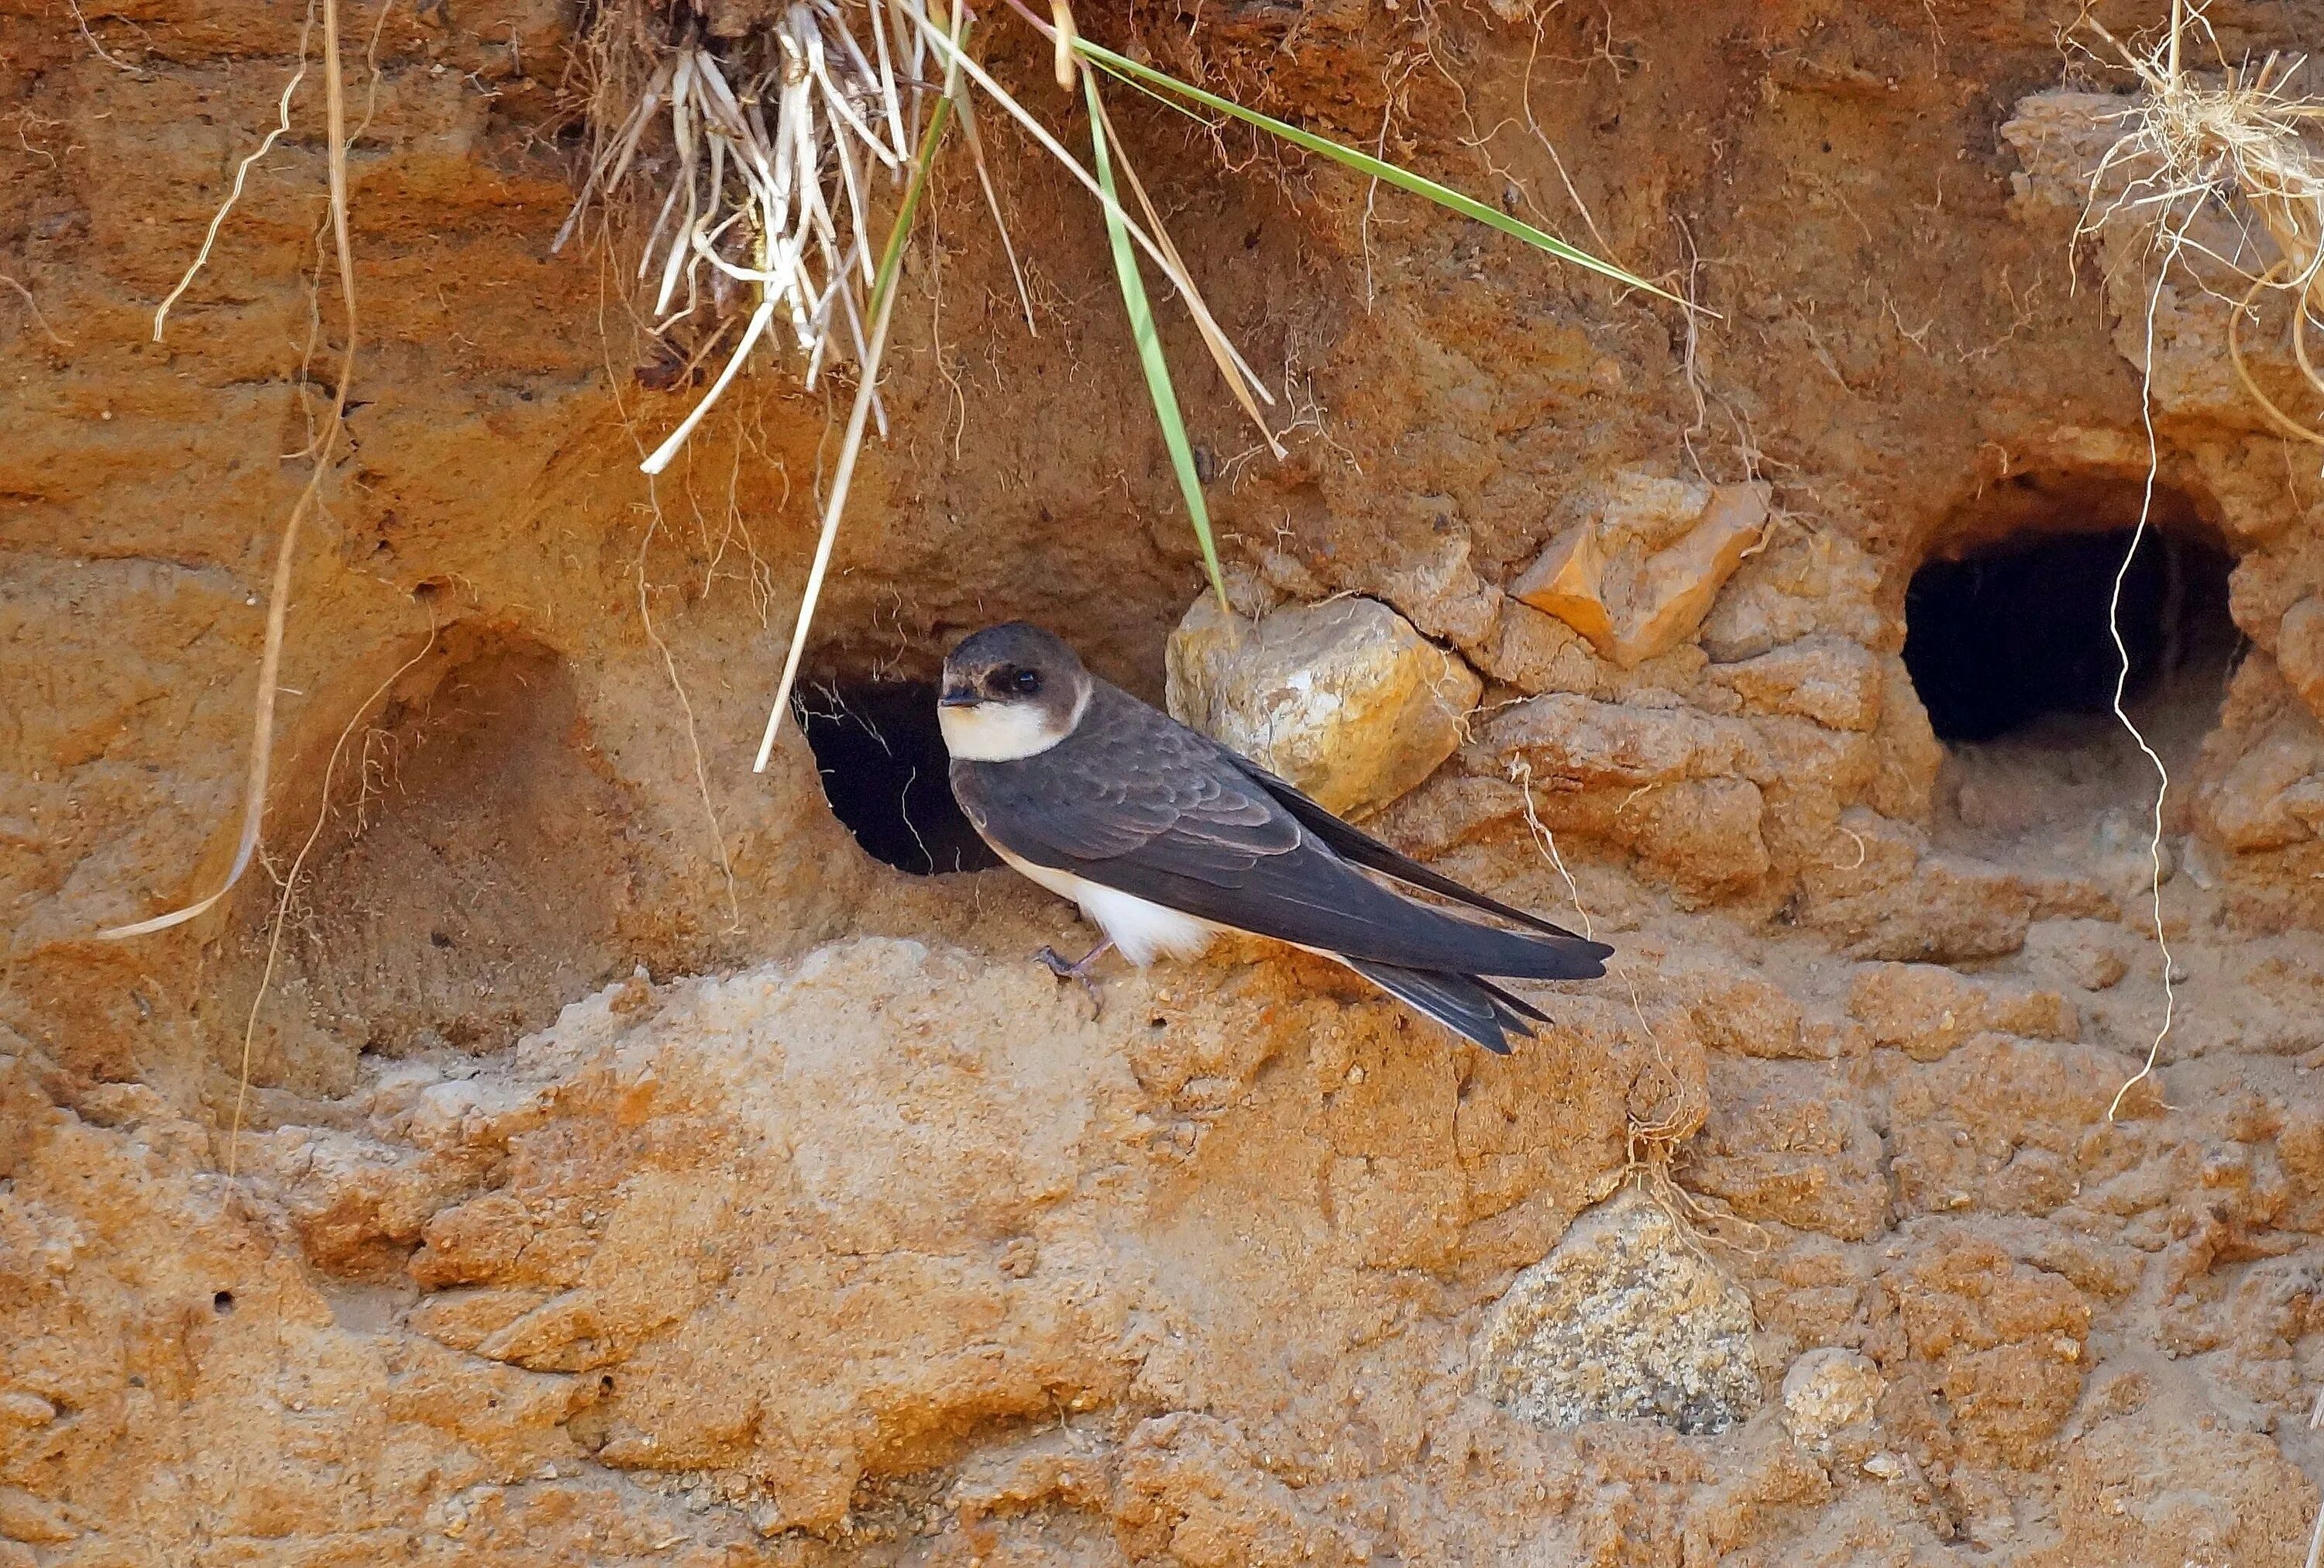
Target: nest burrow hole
[885, 773]
[2011, 624]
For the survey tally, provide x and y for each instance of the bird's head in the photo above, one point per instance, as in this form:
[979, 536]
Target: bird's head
[1010, 692]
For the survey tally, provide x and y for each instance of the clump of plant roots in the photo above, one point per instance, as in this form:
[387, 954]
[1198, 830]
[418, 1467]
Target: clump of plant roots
[2242, 144]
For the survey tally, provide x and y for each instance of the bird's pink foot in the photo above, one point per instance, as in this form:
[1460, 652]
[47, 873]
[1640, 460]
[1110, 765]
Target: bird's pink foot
[1079, 970]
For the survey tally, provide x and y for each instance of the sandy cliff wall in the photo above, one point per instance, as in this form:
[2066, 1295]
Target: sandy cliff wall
[841, 1234]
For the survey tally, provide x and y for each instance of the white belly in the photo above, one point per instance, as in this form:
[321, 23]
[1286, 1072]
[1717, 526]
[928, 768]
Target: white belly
[1141, 929]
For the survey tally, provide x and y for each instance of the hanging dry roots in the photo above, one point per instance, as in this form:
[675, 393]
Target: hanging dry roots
[2242, 142]
[773, 143]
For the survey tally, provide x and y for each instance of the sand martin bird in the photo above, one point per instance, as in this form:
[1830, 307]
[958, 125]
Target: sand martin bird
[1164, 837]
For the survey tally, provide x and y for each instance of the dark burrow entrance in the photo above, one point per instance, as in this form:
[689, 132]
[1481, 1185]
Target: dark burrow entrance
[1997, 639]
[2010, 640]
[883, 765]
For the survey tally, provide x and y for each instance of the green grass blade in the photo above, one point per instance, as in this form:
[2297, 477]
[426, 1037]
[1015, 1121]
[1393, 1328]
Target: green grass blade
[1149, 347]
[1444, 195]
[891, 257]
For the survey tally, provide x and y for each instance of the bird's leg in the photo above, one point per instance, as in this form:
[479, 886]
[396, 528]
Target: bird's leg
[1080, 971]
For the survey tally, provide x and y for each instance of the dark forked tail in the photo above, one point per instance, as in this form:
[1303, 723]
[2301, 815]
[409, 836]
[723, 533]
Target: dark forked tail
[1476, 1009]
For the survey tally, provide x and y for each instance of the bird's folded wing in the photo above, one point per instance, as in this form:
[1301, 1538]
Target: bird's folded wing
[1352, 844]
[1137, 803]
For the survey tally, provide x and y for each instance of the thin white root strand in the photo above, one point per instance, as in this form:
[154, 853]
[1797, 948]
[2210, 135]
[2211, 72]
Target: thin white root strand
[241, 174]
[2122, 681]
[685, 707]
[39, 320]
[668, 449]
[1521, 775]
[290, 885]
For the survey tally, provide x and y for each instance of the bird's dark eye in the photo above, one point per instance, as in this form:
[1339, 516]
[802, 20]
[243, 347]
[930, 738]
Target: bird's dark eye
[1025, 681]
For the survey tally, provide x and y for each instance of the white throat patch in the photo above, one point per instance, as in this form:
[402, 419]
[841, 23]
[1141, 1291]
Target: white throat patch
[997, 732]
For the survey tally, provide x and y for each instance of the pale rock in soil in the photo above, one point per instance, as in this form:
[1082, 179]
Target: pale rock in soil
[1638, 579]
[2273, 793]
[1926, 1009]
[1344, 698]
[1623, 1320]
[2299, 652]
[1828, 679]
[2093, 954]
[1827, 1389]
[1538, 653]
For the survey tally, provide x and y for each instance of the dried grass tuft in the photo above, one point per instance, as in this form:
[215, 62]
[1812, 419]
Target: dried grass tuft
[766, 187]
[2246, 144]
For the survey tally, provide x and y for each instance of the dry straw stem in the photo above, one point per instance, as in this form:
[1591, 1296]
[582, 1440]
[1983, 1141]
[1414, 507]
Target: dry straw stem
[278, 603]
[1152, 362]
[1238, 376]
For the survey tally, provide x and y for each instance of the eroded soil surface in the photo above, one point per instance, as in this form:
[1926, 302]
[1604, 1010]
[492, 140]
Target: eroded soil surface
[631, 1168]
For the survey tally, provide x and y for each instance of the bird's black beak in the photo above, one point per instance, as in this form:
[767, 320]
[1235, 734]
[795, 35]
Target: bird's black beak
[957, 698]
